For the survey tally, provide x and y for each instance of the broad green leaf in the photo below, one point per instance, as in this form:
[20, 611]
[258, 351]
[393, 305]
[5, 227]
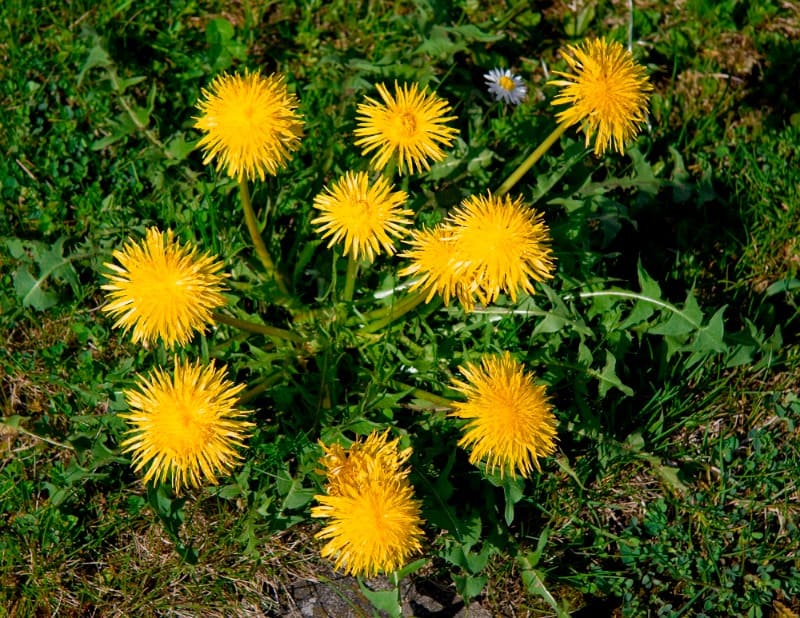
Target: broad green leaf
[383, 600]
[641, 312]
[784, 285]
[544, 184]
[14, 421]
[411, 568]
[682, 321]
[551, 323]
[50, 262]
[98, 57]
[576, 25]
[710, 337]
[124, 84]
[670, 476]
[648, 285]
[608, 377]
[585, 357]
[534, 582]
[645, 178]
[297, 497]
[469, 586]
[28, 289]
[178, 148]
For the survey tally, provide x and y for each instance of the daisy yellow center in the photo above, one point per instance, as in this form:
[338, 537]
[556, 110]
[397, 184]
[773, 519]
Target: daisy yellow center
[506, 83]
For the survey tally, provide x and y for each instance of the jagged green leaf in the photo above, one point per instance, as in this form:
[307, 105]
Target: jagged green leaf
[608, 377]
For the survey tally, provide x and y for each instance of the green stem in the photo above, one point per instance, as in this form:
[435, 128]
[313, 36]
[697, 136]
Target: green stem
[255, 236]
[642, 297]
[390, 170]
[615, 293]
[380, 318]
[437, 400]
[262, 329]
[350, 278]
[267, 383]
[22, 430]
[531, 160]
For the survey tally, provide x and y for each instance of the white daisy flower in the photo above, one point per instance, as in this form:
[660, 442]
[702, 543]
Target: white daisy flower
[506, 86]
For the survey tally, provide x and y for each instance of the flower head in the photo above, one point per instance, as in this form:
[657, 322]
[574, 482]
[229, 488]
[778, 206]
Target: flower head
[375, 521]
[505, 86]
[163, 289]
[502, 244]
[511, 423]
[363, 216]
[185, 425]
[362, 462]
[486, 246]
[250, 124]
[435, 261]
[409, 125]
[607, 93]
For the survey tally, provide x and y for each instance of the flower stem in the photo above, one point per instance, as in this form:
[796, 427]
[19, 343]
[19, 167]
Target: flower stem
[16, 428]
[437, 400]
[531, 160]
[255, 236]
[261, 329]
[390, 169]
[380, 318]
[256, 390]
[350, 278]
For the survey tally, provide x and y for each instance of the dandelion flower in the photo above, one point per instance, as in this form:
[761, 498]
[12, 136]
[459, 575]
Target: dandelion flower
[435, 261]
[362, 215]
[505, 86]
[487, 246]
[354, 466]
[407, 127]
[250, 124]
[185, 426]
[607, 93]
[502, 245]
[163, 289]
[375, 523]
[510, 421]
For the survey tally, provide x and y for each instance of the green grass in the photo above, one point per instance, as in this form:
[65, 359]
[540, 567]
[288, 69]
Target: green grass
[674, 488]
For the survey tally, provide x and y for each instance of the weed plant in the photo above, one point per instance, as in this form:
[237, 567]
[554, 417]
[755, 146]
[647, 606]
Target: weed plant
[659, 329]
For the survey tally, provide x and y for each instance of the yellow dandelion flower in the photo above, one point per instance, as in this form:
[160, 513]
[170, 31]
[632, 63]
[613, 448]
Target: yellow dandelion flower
[185, 426]
[511, 423]
[407, 127]
[375, 523]
[250, 124]
[363, 216]
[607, 93]
[163, 289]
[435, 261]
[355, 465]
[502, 245]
